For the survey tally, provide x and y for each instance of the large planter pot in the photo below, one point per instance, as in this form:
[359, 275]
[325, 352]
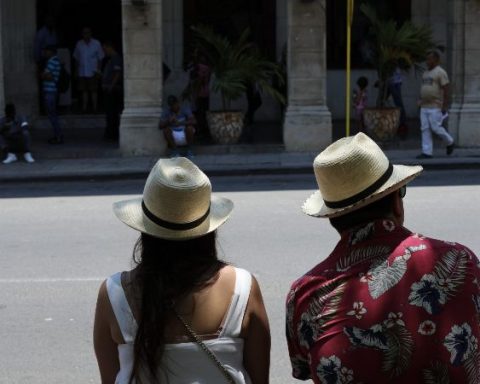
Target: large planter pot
[225, 127]
[381, 123]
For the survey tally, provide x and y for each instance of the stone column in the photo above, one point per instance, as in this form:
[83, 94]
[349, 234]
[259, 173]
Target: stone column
[464, 65]
[18, 35]
[308, 124]
[142, 50]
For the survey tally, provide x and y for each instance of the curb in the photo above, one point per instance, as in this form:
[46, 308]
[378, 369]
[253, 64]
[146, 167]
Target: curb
[273, 169]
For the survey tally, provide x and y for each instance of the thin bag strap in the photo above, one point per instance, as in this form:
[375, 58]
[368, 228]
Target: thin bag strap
[207, 350]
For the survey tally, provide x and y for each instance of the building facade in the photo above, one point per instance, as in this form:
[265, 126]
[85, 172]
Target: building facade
[156, 31]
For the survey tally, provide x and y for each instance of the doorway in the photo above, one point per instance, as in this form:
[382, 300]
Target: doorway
[103, 17]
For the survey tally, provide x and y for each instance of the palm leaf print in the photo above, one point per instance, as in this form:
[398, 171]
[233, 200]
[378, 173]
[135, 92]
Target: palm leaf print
[472, 367]
[361, 234]
[437, 374]
[399, 352]
[450, 271]
[324, 305]
[361, 255]
[384, 276]
[327, 298]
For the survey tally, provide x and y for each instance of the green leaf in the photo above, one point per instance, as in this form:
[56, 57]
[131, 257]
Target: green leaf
[234, 65]
[399, 353]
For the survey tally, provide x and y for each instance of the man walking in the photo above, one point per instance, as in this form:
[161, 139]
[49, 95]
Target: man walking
[434, 106]
[50, 78]
[88, 55]
[387, 305]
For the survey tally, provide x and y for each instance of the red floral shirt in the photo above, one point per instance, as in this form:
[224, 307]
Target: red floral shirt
[387, 306]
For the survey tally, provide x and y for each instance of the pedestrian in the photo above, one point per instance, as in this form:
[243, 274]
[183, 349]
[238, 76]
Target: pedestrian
[360, 100]
[394, 89]
[198, 91]
[434, 106]
[14, 136]
[387, 305]
[112, 86]
[50, 78]
[181, 315]
[178, 125]
[88, 55]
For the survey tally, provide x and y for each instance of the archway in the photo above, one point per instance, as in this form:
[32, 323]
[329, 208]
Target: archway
[104, 17]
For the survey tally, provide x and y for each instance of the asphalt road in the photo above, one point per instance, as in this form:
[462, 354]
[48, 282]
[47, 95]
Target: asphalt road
[59, 241]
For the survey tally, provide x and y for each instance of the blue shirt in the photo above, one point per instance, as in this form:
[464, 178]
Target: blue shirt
[183, 115]
[13, 127]
[53, 67]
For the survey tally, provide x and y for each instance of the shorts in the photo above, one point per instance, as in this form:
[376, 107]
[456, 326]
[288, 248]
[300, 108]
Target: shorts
[179, 137]
[88, 84]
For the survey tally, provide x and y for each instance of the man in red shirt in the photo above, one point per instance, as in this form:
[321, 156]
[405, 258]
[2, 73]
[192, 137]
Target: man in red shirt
[387, 305]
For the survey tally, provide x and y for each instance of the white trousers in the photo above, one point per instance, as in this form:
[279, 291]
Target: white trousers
[431, 120]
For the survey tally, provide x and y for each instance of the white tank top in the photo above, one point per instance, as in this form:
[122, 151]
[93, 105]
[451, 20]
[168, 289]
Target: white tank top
[186, 363]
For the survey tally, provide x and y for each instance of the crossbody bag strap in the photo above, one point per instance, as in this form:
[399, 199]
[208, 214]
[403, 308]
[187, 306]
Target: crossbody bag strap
[207, 350]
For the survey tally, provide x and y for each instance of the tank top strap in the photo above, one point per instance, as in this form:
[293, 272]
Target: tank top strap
[121, 308]
[236, 312]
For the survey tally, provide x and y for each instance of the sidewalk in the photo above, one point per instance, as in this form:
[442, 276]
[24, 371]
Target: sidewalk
[85, 156]
[212, 164]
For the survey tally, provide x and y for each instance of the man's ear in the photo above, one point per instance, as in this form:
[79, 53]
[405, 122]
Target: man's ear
[398, 211]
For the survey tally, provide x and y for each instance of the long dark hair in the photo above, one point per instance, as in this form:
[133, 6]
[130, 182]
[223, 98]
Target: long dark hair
[165, 271]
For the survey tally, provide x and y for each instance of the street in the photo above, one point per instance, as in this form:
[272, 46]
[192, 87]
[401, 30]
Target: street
[60, 240]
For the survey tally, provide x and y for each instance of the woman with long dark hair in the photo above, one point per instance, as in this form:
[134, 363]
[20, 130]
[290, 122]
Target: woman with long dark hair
[181, 315]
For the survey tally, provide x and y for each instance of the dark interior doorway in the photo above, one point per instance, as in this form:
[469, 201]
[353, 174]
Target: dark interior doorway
[103, 16]
[230, 18]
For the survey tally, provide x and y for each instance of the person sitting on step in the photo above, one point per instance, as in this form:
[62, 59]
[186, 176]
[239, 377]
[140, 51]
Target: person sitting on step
[14, 136]
[178, 125]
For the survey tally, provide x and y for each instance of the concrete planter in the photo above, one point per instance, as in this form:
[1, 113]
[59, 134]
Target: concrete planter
[381, 123]
[225, 127]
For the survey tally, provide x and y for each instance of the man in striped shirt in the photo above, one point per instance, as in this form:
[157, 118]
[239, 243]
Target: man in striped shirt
[50, 78]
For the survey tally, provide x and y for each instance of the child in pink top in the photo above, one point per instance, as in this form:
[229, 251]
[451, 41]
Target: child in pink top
[360, 98]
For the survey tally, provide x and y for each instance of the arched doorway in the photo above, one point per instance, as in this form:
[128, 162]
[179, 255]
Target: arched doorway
[103, 17]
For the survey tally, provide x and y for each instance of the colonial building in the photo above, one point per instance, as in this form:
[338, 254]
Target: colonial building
[154, 31]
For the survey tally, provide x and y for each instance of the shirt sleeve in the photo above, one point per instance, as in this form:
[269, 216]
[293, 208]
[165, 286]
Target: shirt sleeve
[443, 78]
[298, 359]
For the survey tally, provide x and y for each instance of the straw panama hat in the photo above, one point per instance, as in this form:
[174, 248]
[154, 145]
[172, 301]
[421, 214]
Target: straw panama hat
[352, 173]
[177, 203]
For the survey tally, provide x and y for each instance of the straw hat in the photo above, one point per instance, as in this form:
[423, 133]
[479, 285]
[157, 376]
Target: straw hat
[177, 203]
[352, 173]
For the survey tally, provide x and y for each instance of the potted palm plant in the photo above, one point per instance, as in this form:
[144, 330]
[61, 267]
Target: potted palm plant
[393, 45]
[233, 66]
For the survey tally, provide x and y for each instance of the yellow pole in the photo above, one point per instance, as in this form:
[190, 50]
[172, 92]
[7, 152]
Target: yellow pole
[350, 8]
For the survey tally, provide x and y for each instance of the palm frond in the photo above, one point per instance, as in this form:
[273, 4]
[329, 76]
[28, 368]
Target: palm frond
[236, 64]
[360, 255]
[395, 46]
[325, 302]
[398, 355]
[436, 374]
[451, 269]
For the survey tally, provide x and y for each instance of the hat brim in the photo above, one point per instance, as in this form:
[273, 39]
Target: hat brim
[131, 213]
[402, 175]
